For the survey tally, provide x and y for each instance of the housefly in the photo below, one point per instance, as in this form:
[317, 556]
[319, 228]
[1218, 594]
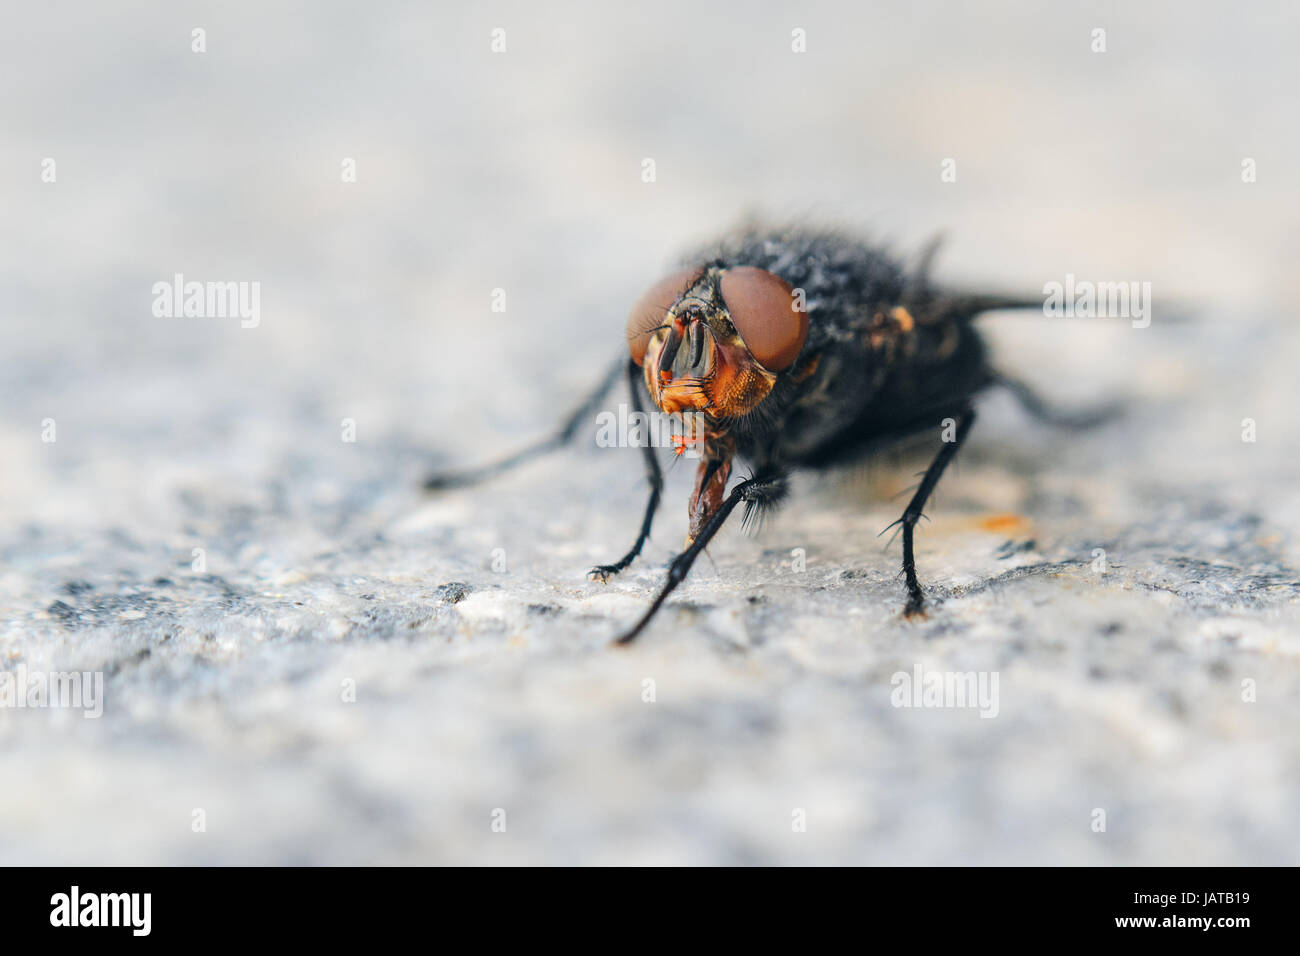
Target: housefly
[797, 349]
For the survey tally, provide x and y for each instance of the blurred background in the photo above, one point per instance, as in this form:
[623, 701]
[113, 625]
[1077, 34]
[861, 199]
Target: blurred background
[522, 170]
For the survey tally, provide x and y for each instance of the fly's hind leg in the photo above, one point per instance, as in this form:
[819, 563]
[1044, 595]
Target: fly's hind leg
[654, 476]
[915, 597]
[1045, 412]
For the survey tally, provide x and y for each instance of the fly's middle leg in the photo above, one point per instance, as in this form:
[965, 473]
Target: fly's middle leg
[913, 513]
[567, 432]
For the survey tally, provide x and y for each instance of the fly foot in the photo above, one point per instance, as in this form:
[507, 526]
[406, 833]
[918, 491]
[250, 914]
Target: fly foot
[603, 572]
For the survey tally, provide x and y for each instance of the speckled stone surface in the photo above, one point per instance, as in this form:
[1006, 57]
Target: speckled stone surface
[356, 672]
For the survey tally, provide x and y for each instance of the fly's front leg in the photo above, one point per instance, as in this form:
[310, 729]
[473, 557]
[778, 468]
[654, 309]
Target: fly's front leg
[915, 597]
[762, 491]
[655, 478]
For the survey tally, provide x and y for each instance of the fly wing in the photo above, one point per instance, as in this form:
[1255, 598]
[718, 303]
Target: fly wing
[938, 305]
[921, 385]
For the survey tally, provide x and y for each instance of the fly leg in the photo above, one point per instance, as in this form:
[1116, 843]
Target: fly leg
[763, 491]
[1042, 410]
[440, 481]
[653, 476]
[915, 598]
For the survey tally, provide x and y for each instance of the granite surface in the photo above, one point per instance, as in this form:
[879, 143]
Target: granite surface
[305, 659]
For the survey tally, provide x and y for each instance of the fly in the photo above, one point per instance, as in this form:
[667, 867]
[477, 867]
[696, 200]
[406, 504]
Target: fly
[797, 350]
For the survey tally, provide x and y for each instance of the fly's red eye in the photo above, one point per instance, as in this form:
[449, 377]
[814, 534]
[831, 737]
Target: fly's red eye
[651, 310]
[767, 315]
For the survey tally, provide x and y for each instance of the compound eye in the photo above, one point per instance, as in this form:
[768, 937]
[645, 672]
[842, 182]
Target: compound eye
[651, 310]
[767, 315]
